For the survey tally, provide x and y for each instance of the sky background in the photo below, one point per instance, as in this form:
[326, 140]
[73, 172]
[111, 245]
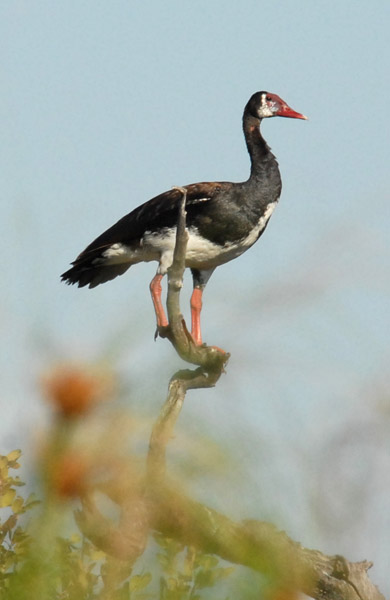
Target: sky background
[106, 104]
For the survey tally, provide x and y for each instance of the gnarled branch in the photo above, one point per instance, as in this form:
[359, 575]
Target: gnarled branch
[162, 507]
[254, 544]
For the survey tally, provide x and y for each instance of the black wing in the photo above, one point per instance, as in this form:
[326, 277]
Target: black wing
[156, 214]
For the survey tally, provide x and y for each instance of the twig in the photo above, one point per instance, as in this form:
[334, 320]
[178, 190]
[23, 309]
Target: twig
[210, 358]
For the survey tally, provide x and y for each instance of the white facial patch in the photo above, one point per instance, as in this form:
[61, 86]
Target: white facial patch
[265, 108]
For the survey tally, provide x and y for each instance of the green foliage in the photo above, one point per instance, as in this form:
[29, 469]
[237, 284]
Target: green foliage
[38, 561]
[13, 538]
[186, 571]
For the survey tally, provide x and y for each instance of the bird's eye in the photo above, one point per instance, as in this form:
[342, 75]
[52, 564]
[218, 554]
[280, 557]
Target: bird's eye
[268, 98]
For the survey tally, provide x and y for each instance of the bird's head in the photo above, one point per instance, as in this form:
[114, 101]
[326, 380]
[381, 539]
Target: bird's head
[263, 105]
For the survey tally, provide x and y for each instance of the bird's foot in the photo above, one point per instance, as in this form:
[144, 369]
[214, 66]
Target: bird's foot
[196, 340]
[162, 331]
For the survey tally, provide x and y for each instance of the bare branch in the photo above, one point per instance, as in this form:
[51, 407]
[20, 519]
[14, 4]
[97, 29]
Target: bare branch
[253, 543]
[262, 547]
[258, 545]
[210, 358]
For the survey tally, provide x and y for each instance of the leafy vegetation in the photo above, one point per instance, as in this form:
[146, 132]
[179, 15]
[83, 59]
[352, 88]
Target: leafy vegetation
[63, 546]
[73, 568]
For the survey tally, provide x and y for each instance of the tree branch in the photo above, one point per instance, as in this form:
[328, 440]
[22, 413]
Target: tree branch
[162, 507]
[289, 567]
[255, 544]
[263, 548]
[210, 358]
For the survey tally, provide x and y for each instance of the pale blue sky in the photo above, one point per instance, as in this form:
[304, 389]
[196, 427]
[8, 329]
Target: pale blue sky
[106, 104]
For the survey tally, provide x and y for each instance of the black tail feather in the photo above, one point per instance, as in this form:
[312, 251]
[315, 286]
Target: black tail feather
[93, 275]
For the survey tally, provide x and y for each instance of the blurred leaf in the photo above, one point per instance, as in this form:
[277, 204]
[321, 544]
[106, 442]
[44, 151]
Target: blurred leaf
[13, 456]
[139, 582]
[18, 505]
[32, 500]
[75, 538]
[15, 481]
[209, 578]
[207, 561]
[7, 498]
[3, 463]
[20, 540]
[95, 554]
[204, 579]
[9, 524]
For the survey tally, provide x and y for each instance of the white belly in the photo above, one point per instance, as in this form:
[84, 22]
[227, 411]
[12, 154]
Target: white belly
[201, 253]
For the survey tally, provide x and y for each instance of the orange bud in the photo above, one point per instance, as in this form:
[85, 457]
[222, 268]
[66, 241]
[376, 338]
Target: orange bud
[74, 391]
[68, 475]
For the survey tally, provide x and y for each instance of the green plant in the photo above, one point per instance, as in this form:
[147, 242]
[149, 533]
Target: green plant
[36, 561]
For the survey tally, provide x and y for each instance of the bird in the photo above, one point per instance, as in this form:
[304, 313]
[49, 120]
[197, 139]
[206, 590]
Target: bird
[223, 220]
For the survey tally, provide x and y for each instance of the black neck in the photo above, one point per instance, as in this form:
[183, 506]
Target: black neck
[259, 152]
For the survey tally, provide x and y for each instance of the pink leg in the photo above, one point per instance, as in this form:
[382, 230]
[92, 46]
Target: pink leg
[155, 290]
[196, 307]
